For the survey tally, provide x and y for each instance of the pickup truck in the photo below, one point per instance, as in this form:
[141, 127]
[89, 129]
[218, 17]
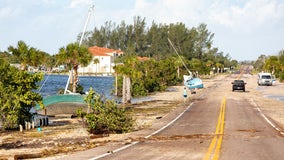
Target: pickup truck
[238, 85]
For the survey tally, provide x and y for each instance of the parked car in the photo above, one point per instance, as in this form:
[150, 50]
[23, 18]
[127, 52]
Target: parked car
[239, 85]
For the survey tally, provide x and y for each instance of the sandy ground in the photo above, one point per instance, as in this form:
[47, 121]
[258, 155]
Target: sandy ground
[51, 137]
[270, 99]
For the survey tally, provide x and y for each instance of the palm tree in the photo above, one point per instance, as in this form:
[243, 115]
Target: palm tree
[127, 70]
[74, 55]
[25, 54]
[96, 62]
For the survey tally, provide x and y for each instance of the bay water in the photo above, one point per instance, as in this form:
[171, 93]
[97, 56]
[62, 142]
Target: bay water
[103, 85]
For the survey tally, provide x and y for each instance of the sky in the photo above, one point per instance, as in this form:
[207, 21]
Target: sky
[244, 29]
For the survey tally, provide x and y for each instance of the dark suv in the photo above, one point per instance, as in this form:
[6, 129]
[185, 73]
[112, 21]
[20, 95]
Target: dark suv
[239, 85]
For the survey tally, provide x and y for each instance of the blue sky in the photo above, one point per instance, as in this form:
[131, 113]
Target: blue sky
[244, 29]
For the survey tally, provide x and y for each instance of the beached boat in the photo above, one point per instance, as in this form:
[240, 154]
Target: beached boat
[192, 83]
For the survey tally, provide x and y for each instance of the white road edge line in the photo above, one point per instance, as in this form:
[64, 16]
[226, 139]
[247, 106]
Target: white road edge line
[266, 119]
[136, 142]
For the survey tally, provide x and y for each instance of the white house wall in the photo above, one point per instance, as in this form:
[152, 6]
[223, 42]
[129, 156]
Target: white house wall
[104, 66]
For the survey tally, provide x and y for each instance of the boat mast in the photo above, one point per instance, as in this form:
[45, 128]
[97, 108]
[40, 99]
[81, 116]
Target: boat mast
[91, 10]
[190, 74]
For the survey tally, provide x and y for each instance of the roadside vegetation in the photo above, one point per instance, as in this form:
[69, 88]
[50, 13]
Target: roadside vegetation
[273, 64]
[104, 116]
[17, 95]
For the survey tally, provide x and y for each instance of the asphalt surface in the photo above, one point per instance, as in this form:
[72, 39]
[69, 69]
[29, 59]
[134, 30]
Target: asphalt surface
[217, 124]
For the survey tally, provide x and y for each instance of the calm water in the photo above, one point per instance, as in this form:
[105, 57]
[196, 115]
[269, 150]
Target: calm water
[52, 83]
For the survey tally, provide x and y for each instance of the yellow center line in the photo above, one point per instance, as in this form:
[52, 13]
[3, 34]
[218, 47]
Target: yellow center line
[216, 143]
[240, 75]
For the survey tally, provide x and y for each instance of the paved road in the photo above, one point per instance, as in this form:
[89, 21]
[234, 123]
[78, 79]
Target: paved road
[219, 124]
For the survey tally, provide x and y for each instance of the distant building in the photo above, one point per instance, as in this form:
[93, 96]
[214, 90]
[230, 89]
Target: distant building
[102, 61]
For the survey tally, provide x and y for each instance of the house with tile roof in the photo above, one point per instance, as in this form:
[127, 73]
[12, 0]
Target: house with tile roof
[102, 62]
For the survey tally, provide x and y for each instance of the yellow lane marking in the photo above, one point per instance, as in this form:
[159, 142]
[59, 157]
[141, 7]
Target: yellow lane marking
[241, 74]
[216, 143]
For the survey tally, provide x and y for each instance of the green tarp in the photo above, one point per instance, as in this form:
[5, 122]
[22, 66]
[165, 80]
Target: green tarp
[61, 99]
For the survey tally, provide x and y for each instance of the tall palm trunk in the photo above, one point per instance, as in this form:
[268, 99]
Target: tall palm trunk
[116, 87]
[76, 80]
[126, 93]
[128, 90]
[123, 101]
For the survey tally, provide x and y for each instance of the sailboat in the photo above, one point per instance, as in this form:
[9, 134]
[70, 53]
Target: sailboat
[90, 12]
[190, 81]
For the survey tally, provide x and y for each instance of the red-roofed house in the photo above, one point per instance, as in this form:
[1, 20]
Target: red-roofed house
[105, 57]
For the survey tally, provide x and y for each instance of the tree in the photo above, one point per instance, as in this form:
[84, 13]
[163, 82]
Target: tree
[219, 67]
[17, 95]
[9, 57]
[272, 64]
[281, 62]
[259, 63]
[96, 62]
[126, 70]
[129, 71]
[106, 116]
[139, 34]
[74, 55]
[196, 65]
[26, 55]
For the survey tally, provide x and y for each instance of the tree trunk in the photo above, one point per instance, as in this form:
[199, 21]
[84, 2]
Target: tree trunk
[126, 93]
[128, 90]
[115, 84]
[76, 80]
[123, 100]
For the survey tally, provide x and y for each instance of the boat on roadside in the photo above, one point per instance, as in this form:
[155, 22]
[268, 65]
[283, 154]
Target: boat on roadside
[192, 83]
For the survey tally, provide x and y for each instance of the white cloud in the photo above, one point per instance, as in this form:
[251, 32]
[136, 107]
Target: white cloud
[142, 4]
[76, 3]
[253, 14]
[170, 11]
[7, 11]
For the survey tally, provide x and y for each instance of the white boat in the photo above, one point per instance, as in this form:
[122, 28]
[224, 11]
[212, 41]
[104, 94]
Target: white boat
[192, 83]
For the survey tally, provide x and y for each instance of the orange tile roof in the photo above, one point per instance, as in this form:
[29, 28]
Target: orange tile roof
[101, 51]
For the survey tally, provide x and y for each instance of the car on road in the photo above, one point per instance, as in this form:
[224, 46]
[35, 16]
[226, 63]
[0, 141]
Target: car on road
[264, 79]
[239, 85]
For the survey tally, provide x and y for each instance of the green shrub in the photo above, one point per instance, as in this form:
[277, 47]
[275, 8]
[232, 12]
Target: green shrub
[106, 116]
[281, 76]
[17, 95]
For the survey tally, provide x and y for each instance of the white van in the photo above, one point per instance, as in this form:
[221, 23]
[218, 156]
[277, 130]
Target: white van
[264, 79]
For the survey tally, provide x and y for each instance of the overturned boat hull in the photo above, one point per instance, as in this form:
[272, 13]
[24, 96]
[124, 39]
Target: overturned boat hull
[193, 83]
